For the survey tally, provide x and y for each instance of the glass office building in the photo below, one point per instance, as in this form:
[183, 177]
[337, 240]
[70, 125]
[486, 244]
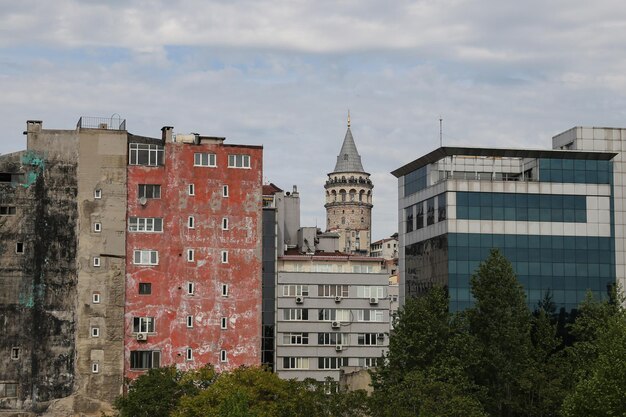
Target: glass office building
[549, 211]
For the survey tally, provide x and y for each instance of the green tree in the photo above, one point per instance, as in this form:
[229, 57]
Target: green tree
[157, 392]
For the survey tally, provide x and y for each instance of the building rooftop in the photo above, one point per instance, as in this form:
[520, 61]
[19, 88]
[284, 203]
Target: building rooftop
[445, 151]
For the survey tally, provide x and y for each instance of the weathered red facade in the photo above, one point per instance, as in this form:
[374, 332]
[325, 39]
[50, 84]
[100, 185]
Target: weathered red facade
[171, 301]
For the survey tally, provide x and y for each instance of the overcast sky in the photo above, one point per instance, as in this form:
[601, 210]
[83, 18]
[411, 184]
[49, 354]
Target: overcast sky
[284, 74]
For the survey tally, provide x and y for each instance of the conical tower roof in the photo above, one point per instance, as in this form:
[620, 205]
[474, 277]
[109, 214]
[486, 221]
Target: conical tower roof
[348, 159]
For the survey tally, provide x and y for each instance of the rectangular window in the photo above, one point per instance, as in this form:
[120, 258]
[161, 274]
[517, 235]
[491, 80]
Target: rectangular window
[95, 298]
[143, 324]
[225, 191]
[145, 359]
[223, 357]
[96, 261]
[190, 255]
[224, 257]
[149, 191]
[145, 154]
[191, 189]
[332, 290]
[441, 207]
[371, 291]
[189, 354]
[296, 363]
[8, 390]
[333, 314]
[191, 222]
[145, 288]
[97, 194]
[224, 323]
[146, 257]
[296, 314]
[95, 332]
[408, 214]
[332, 362]
[238, 161]
[145, 224]
[370, 315]
[225, 223]
[368, 362]
[369, 339]
[203, 159]
[189, 322]
[95, 367]
[363, 269]
[419, 216]
[19, 247]
[191, 288]
[295, 290]
[8, 210]
[333, 338]
[296, 338]
[97, 227]
[15, 353]
[224, 290]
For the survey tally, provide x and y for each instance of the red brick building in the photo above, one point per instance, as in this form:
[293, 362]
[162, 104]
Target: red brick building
[193, 253]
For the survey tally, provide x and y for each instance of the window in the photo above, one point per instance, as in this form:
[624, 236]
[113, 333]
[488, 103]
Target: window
[8, 389]
[225, 223]
[224, 323]
[238, 161]
[144, 359]
[370, 315]
[143, 324]
[223, 357]
[224, 257]
[149, 191]
[333, 338]
[96, 261]
[224, 290]
[332, 362]
[19, 247]
[95, 367]
[190, 255]
[295, 290]
[145, 224]
[95, 332]
[296, 363]
[201, 159]
[191, 222]
[8, 210]
[368, 362]
[371, 291]
[191, 189]
[145, 288]
[296, 314]
[369, 339]
[95, 298]
[15, 353]
[97, 227]
[145, 154]
[333, 314]
[225, 191]
[189, 354]
[146, 257]
[296, 338]
[190, 288]
[189, 322]
[430, 211]
[97, 194]
[363, 269]
[332, 290]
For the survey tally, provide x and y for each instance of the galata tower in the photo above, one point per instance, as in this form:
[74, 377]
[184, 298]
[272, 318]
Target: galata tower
[349, 200]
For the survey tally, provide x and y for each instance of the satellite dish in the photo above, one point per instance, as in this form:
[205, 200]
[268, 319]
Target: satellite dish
[143, 201]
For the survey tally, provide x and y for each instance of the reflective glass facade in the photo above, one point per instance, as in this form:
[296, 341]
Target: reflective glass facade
[575, 171]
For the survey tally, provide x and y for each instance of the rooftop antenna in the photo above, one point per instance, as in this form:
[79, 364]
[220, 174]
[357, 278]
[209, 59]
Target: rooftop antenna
[440, 131]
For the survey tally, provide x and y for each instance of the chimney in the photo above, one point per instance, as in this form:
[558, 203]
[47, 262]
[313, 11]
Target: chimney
[33, 126]
[166, 133]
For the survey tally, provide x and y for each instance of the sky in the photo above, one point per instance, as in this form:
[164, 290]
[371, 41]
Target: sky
[284, 73]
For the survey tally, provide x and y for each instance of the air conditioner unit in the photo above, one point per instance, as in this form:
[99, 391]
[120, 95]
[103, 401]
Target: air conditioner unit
[142, 336]
[373, 300]
[338, 348]
[335, 324]
[380, 335]
[338, 299]
[299, 300]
